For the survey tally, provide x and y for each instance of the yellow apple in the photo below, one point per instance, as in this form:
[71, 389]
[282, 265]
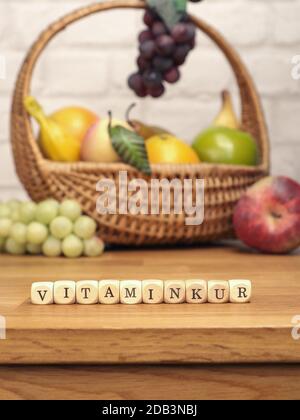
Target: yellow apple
[165, 148]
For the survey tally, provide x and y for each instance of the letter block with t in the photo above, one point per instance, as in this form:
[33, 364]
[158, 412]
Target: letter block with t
[42, 293]
[240, 291]
[87, 292]
[131, 292]
[218, 291]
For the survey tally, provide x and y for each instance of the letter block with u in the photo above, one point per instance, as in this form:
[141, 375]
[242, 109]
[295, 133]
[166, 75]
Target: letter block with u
[218, 291]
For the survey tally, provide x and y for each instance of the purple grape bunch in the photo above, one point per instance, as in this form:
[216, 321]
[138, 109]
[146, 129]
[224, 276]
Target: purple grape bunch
[161, 52]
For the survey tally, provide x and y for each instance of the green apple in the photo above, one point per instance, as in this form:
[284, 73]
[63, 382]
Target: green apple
[226, 146]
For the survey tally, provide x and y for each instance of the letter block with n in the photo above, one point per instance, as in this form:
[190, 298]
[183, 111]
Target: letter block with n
[174, 291]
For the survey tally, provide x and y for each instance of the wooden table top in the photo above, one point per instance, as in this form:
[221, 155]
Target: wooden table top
[251, 333]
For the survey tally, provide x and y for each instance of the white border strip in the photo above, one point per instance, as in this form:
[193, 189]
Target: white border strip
[2, 328]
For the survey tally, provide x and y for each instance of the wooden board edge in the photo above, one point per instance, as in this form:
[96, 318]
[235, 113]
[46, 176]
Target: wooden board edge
[166, 346]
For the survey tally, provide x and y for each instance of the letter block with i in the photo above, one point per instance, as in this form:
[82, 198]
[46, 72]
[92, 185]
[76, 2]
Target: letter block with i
[218, 291]
[42, 293]
[87, 292]
[131, 292]
[65, 292]
[153, 291]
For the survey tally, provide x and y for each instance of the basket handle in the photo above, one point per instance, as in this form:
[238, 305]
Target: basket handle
[253, 119]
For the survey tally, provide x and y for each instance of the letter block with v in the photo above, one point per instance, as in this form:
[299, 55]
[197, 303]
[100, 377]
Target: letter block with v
[42, 293]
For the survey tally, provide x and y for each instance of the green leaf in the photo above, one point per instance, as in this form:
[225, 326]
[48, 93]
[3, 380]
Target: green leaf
[171, 11]
[130, 147]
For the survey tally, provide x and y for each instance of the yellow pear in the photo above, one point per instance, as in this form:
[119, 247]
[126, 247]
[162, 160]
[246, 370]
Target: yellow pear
[144, 130]
[227, 117]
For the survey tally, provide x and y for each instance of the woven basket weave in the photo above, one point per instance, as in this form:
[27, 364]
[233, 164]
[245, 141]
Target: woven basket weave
[224, 184]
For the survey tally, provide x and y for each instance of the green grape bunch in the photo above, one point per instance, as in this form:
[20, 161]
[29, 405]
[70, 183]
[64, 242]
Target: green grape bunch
[48, 228]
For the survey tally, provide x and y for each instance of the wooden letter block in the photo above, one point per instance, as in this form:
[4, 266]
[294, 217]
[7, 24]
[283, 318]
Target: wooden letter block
[218, 291]
[174, 291]
[109, 292]
[65, 292]
[240, 291]
[131, 292]
[153, 291]
[87, 292]
[196, 291]
[42, 293]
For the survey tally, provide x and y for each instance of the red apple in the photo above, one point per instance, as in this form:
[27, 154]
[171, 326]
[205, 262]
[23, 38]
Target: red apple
[267, 218]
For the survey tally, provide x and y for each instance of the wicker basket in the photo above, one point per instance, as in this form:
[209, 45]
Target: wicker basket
[224, 184]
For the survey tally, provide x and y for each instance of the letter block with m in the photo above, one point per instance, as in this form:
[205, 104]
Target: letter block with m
[131, 292]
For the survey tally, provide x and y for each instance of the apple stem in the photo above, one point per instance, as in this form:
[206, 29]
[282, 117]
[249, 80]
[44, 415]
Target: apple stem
[276, 215]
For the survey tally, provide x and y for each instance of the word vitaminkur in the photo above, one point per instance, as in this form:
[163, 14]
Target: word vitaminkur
[134, 292]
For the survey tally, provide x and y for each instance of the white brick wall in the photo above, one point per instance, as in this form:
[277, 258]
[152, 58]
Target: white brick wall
[88, 64]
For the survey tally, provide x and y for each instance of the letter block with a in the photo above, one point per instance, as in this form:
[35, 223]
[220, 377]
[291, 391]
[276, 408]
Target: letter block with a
[109, 292]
